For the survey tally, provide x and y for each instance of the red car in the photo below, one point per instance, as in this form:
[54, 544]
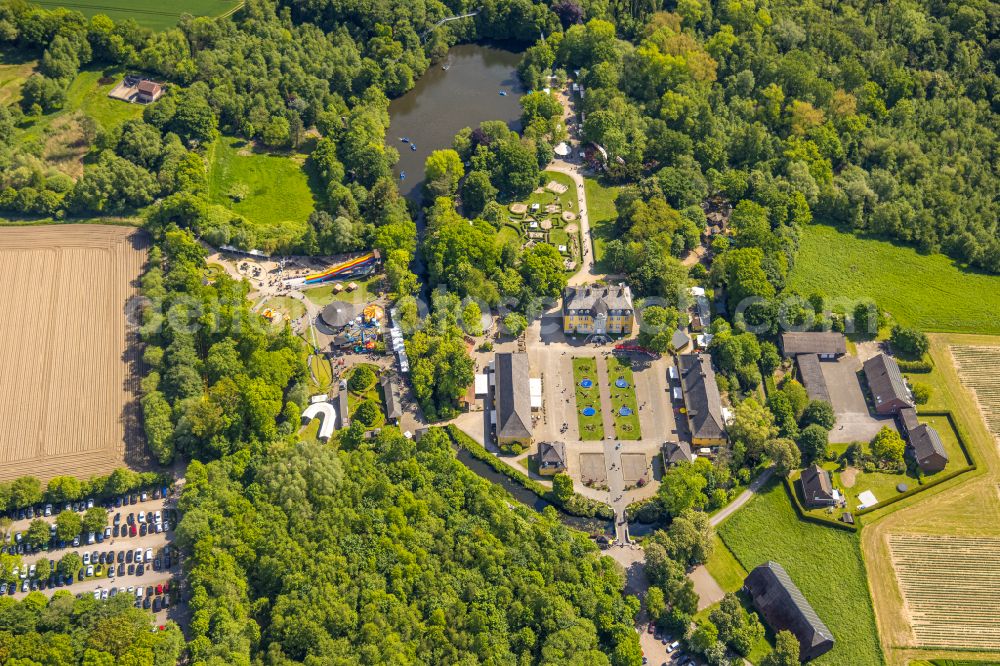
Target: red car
[159, 589]
[131, 530]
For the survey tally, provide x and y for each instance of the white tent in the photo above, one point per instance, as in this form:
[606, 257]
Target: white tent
[562, 149]
[327, 415]
[482, 384]
[535, 390]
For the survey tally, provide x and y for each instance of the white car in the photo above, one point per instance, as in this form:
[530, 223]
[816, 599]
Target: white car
[138, 593]
[141, 517]
[31, 570]
[144, 497]
[90, 571]
[149, 554]
[86, 558]
[159, 527]
[138, 555]
[48, 510]
[90, 538]
[90, 503]
[156, 517]
[104, 594]
[130, 589]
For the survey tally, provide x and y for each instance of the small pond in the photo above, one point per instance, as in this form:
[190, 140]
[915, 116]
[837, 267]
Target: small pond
[443, 101]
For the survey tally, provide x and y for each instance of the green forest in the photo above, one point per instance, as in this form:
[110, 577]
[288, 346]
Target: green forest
[877, 119]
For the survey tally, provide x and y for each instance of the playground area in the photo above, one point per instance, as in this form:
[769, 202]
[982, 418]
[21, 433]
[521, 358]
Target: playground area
[69, 362]
[550, 215]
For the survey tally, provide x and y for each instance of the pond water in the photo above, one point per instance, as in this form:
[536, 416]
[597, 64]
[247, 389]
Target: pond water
[443, 101]
[592, 526]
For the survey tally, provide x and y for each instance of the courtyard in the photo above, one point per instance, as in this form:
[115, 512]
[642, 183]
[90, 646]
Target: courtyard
[854, 420]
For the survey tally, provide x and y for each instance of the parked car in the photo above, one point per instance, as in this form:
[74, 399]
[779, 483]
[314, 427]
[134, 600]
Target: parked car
[90, 571]
[166, 601]
[139, 569]
[159, 588]
[143, 530]
[86, 558]
[156, 605]
[132, 531]
[131, 569]
[48, 510]
[138, 592]
[90, 502]
[142, 516]
[144, 496]
[149, 554]
[121, 569]
[146, 603]
[116, 531]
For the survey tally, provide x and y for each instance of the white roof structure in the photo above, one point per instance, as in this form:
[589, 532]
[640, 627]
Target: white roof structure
[322, 397]
[562, 149]
[867, 499]
[535, 390]
[482, 384]
[327, 415]
[678, 395]
[704, 340]
[672, 372]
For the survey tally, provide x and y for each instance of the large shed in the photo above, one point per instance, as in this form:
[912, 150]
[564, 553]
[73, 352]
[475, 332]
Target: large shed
[887, 386]
[784, 607]
[827, 345]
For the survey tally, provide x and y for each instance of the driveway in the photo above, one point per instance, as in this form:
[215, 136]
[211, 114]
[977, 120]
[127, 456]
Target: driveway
[854, 421]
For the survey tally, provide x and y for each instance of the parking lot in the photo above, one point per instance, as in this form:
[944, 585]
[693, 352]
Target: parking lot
[139, 561]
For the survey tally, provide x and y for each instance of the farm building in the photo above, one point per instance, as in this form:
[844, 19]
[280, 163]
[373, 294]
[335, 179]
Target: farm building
[784, 607]
[907, 417]
[887, 385]
[927, 449]
[598, 310]
[817, 488]
[676, 452]
[343, 408]
[551, 458]
[393, 408]
[512, 395]
[828, 346]
[811, 377]
[702, 401]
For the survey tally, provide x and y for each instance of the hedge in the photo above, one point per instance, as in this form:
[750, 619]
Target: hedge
[914, 366]
[808, 517]
[579, 505]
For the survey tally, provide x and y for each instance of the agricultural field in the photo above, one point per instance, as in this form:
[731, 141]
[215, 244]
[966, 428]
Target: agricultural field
[825, 563]
[70, 370]
[958, 604]
[979, 368]
[602, 215]
[548, 216]
[626, 425]
[962, 508]
[844, 265]
[270, 190]
[591, 427]
[147, 13]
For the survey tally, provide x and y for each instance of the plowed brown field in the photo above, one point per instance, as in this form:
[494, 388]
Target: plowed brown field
[68, 358]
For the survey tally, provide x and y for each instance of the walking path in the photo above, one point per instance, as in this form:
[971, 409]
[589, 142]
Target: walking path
[743, 498]
[587, 274]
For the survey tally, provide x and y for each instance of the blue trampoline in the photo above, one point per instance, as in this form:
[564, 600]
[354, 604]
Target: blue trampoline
[586, 383]
[589, 411]
[625, 411]
[621, 383]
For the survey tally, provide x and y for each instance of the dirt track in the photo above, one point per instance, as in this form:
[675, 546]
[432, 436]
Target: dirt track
[968, 506]
[68, 357]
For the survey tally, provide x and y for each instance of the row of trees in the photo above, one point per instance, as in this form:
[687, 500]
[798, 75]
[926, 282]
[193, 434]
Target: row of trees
[28, 491]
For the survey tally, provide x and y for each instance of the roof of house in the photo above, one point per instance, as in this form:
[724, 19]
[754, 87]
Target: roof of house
[816, 483]
[813, 342]
[701, 396]
[149, 87]
[926, 443]
[811, 376]
[612, 299]
[513, 395]
[552, 453]
[338, 314]
[343, 408]
[676, 452]
[908, 418]
[393, 408]
[885, 380]
[680, 339]
[784, 607]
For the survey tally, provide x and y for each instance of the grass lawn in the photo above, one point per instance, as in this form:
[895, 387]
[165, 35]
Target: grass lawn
[148, 13]
[325, 294]
[374, 393]
[323, 373]
[824, 563]
[724, 567]
[927, 291]
[276, 197]
[626, 427]
[602, 214]
[591, 427]
[291, 308]
[13, 72]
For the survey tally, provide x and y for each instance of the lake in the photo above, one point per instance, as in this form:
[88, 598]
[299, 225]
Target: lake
[443, 101]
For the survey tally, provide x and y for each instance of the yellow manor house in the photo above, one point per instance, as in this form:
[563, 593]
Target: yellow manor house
[605, 310]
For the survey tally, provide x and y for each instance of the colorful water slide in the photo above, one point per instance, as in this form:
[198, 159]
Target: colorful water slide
[351, 268]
